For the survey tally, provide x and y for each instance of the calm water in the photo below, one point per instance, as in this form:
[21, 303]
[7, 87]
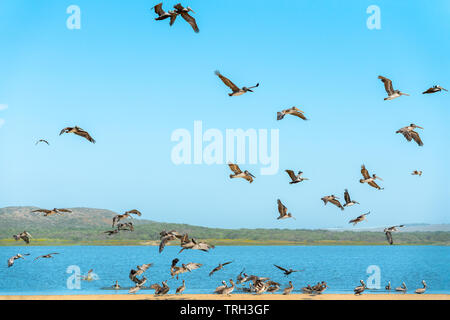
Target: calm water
[341, 266]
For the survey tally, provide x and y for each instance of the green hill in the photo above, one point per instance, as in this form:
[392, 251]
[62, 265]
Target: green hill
[85, 226]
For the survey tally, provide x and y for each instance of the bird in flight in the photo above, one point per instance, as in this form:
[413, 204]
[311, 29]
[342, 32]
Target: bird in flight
[25, 236]
[359, 219]
[388, 232]
[236, 91]
[348, 202]
[184, 12]
[219, 267]
[292, 111]
[166, 237]
[46, 256]
[78, 131]
[119, 217]
[334, 200]
[52, 212]
[287, 271]
[434, 89]
[193, 244]
[392, 94]
[296, 178]
[283, 211]
[370, 180]
[239, 174]
[417, 173]
[42, 140]
[14, 258]
[162, 15]
[409, 133]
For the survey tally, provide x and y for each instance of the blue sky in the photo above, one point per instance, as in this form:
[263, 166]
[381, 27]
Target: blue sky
[131, 81]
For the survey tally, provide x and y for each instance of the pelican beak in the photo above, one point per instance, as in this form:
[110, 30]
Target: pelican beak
[250, 90]
[404, 94]
[419, 127]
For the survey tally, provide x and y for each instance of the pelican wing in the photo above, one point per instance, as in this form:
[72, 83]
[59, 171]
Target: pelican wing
[281, 268]
[298, 114]
[389, 237]
[134, 211]
[406, 134]
[291, 175]
[416, 138]
[336, 203]
[85, 135]
[374, 184]
[42, 210]
[249, 178]
[158, 9]
[189, 19]
[235, 168]
[227, 82]
[347, 196]
[65, 130]
[387, 85]
[281, 208]
[63, 210]
[364, 172]
[173, 17]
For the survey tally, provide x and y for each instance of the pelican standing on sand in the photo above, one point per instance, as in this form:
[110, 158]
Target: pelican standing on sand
[422, 290]
[236, 90]
[181, 288]
[360, 289]
[289, 289]
[359, 219]
[296, 178]
[409, 133]
[370, 180]
[239, 174]
[294, 111]
[283, 211]
[392, 94]
[434, 89]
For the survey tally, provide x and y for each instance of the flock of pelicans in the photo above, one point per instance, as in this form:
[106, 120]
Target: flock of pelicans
[257, 285]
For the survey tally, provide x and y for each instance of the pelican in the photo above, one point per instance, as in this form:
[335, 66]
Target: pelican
[228, 290]
[289, 289]
[78, 131]
[422, 290]
[392, 94]
[219, 267]
[388, 287]
[233, 87]
[162, 15]
[283, 211]
[52, 212]
[417, 173]
[286, 271]
[175, 270]
[128, 226]
[16, 257]
[127, 214]
[348, 201]
[434, 89]
[359, 219]
[321, 288]
[219, 289]
[111, 232]
[273, 288]
[116, 285]
[307, 289]
[25, 236]
[409, 133]
[187, 244]
[402, 288]
[239, 174]
[158, 289]
[181, 288]
[295, 178]
[368, 179]
[139, 271]
[184, 12]
[388, 232]
[260, 287]
[46, 256]
[42, 140]
[333, 199]
[166, 237]
[360, 289]
[138, 286]
[239, 278]
[89, 276]
[294, 111]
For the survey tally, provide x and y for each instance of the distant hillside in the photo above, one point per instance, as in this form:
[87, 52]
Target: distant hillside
[86, 226]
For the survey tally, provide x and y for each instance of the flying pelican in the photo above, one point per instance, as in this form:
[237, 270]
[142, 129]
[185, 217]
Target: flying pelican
[233, 87]
[360, 289]
[78, 131]
[283, 211]
[409, 133]
[42, 140]
[289, 289]
[25, 236]
[434, 89]
[402, 288]
[138, 286]
[295, 178]
[333, 199]
[111, 232]
[89, 276]
[388, 232]
[228, 290]
[139, 271]
[16, 257]
[388, 287]
[175, 270]
[181, 288]
[46, 256]
[193, 244]
[292, 111]
[392, 94]
[368, 179]
[128, 226]
[219, 267]
[166, 237]
[417, 173]
[260, 287]
[348, 201]
[239, 278]
[127, 214]
[239, 174]
[422, 290]
[219, 289]
[184, 12]
[54, 211]
[286, 271]
[162, 15]
[359, 219]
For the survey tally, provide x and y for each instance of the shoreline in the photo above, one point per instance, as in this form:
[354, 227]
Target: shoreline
[266, 297]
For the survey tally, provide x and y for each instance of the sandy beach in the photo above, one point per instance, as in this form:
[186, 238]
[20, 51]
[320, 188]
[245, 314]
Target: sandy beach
[235, 297]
